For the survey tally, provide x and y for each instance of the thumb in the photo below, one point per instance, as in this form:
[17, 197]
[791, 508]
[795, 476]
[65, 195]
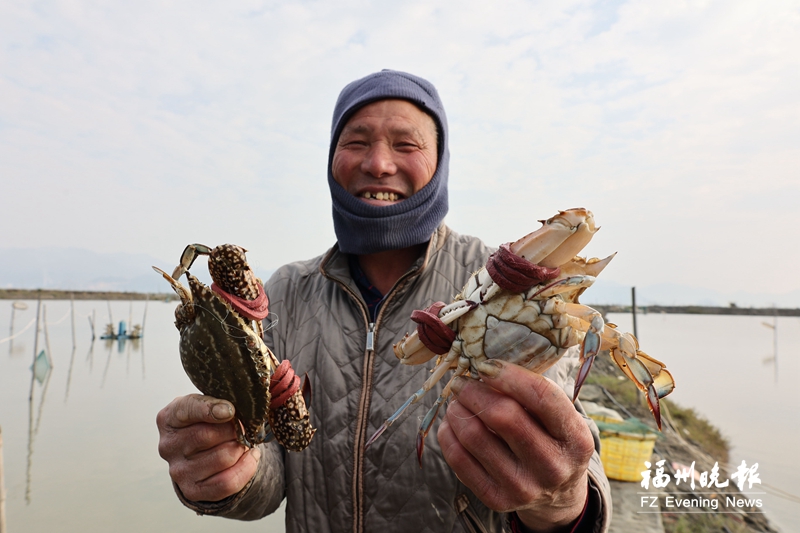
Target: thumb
[195, 408]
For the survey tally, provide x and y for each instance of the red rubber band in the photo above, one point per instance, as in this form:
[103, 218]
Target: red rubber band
[434, 334]
[283, 384]
[257, 309]
[515, 273]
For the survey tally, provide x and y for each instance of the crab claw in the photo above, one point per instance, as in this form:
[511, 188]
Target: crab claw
[188, 256]
[579, 266]
[559, 239]
[412, 351]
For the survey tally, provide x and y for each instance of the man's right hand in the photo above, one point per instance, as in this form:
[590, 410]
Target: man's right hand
[197, 437]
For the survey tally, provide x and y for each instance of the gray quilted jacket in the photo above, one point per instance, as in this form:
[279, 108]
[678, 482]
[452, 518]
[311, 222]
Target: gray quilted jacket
[322, 326]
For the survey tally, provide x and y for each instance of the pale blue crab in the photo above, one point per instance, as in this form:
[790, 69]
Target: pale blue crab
[523, 308]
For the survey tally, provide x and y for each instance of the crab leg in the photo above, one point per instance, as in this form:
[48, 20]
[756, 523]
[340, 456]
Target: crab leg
[185, 312]
[625, 353]
[437, 375]
[648, 374]
[183, 292]
[589, 349]
[645, 371]
[430, 416]
[586, 319]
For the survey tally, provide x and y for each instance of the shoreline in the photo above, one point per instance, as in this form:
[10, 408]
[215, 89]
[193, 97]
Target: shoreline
[56, 294]
[698, 310]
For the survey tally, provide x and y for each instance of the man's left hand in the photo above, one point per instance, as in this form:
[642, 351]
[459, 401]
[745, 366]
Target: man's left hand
[518, 443]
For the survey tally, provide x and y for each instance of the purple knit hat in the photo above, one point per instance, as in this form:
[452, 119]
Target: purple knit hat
[362, 228]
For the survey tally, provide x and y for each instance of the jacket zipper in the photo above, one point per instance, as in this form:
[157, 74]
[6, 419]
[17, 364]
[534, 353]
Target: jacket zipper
[371, 337]
[365, 401]
[363, 407]
[362, 416]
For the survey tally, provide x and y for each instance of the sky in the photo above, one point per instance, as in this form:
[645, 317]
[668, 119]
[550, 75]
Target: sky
[144, 126]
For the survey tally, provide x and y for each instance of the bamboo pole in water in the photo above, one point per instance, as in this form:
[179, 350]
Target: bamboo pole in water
[36, 336]
[633, 311]
[11, 329]
[72, 308]
[46, 336]
[775, 338]
[144, 315]
[91, 324]
[2, 489]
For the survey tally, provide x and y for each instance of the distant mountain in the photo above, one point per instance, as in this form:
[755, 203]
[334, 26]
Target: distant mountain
[79, 269]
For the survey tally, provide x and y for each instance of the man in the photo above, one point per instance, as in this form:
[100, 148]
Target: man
[512, 452]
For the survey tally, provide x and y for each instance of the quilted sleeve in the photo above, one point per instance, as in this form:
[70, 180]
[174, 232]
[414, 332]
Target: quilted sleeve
[260, 497]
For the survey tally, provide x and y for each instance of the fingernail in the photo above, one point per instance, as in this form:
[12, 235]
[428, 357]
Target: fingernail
[458, 384]
[221, 411]
[490, 368]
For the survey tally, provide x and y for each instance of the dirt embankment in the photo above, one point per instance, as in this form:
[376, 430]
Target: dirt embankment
[687, 438]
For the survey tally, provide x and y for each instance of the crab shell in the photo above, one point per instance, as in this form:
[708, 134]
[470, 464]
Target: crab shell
[225, 358]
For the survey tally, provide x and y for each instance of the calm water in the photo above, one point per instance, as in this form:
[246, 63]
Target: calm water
[83, 456]
[89, 462]
[721, 368]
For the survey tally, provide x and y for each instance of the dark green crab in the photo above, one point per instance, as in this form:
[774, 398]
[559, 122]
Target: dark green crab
[223, 353]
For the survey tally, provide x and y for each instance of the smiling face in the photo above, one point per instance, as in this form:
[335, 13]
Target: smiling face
[386, 152]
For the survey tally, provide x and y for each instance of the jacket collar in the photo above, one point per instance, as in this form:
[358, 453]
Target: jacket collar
[334, 264]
